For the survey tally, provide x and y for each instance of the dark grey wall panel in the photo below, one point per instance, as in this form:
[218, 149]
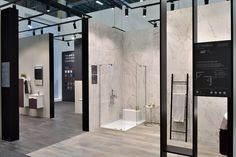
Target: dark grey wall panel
[78, 59]
[10, 54]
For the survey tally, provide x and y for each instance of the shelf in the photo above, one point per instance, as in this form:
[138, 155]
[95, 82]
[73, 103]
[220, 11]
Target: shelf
[179, 150]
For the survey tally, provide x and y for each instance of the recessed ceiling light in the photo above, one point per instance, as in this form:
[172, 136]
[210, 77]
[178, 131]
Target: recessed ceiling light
[98, 2]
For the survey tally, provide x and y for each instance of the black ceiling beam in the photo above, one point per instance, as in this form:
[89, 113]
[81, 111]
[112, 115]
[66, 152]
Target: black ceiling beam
[146, 5]
[13, 2]
[36, 21]
[153, 21]
[64, 8]
[53, 25]
[115, 4]
[34, 16]
[69, 34]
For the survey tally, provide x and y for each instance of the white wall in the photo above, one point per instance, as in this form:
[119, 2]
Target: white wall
[34, 51]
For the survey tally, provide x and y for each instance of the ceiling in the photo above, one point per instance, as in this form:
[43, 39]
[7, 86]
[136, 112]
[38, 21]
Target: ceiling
[88, 6]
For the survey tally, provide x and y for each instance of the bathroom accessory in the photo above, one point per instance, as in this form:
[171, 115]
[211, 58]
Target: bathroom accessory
[112, 97]
[179, 106]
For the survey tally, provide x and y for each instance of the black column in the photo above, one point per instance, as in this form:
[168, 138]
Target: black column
[85, 72]
[195, 107]
[10, 88]
[163, 77]
[51, 68]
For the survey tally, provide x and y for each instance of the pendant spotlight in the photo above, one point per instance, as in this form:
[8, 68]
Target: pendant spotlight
[172, 6]
[144, 11]
[126, 12]
[29, 24]
[48, 8]
[206, 2]
[155, 25]
[74, 25]
[41, 31]
[58, 28]
[68, 43]
[33, 32]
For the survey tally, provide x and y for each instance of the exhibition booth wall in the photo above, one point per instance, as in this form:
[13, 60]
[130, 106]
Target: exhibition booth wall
[35, 53]
[118, 53]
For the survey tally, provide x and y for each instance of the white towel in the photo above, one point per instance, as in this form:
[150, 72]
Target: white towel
[178, 110]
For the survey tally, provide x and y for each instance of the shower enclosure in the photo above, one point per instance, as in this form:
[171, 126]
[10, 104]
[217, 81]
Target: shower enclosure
[115, 112]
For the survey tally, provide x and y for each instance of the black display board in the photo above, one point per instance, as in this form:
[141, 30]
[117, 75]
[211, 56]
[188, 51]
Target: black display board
[212, 69]
[68, 76]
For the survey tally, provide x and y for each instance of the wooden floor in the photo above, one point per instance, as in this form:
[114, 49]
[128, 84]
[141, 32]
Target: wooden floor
[141, 141]
[37, 133]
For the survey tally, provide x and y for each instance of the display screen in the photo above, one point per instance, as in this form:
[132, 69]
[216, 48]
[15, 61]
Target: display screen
[212, 69]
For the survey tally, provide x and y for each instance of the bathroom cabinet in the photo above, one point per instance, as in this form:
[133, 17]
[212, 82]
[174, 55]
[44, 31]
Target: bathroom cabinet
[36, 101]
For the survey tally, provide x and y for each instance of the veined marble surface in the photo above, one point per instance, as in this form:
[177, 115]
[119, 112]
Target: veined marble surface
[127, 50]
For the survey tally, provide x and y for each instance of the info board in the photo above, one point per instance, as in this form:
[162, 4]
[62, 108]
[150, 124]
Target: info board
[212, 66]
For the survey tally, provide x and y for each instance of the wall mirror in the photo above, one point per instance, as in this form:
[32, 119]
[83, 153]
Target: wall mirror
[38, 75]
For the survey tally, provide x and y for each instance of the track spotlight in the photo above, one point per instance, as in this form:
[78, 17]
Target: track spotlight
[126, 12]
[68, 43]
[58, 28]
[41, 31]
[172, 6]
[48, 8]
[63, 38]
[33, 32]
[74, 25]
[206, 2]
[144, 11]
[29, 24]
[14, 6]
[73, 37]
[155, 25]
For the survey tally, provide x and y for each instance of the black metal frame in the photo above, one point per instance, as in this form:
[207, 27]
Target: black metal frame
[180, 83]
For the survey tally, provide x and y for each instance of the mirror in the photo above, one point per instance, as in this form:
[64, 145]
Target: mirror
[38, 75]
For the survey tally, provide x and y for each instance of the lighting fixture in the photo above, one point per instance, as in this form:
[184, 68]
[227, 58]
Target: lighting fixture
[73, 37]
[206, 2]
[48, 8]
[144, 11]
[14, 6]
[155, 25]
[74, 25]
[98, 2]
[172, 6]
[63, 38]
[68, 43]
[126, 12]
[58, 28]
[41, 31]
[33, 32]
[29, 24]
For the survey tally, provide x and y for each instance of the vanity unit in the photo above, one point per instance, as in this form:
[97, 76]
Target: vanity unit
[35, 101]
[31, 101]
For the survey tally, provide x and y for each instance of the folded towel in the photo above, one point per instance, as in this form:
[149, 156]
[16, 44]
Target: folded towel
[178, 110]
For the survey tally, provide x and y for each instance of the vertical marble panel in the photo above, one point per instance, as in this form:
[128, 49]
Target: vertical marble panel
[214, 25]
[105, 48]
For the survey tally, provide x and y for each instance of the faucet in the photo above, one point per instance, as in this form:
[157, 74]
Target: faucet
[112, 94]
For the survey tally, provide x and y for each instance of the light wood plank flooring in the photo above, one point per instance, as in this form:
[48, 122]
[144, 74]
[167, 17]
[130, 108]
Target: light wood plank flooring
[141, 141]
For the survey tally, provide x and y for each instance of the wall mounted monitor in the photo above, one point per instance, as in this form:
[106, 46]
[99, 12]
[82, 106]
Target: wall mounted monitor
[212, 69]
[38, 75]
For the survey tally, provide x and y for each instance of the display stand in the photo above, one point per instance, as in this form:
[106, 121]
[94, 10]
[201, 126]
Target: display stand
[186, 84]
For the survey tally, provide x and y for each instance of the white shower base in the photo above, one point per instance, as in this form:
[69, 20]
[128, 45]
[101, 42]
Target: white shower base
[122, 125]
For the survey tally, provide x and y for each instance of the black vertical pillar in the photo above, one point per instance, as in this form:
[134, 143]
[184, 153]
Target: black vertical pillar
[231, 101]
[85, 72]
[194, 108]
[10, 88]
[51, 68]
[163, 77]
